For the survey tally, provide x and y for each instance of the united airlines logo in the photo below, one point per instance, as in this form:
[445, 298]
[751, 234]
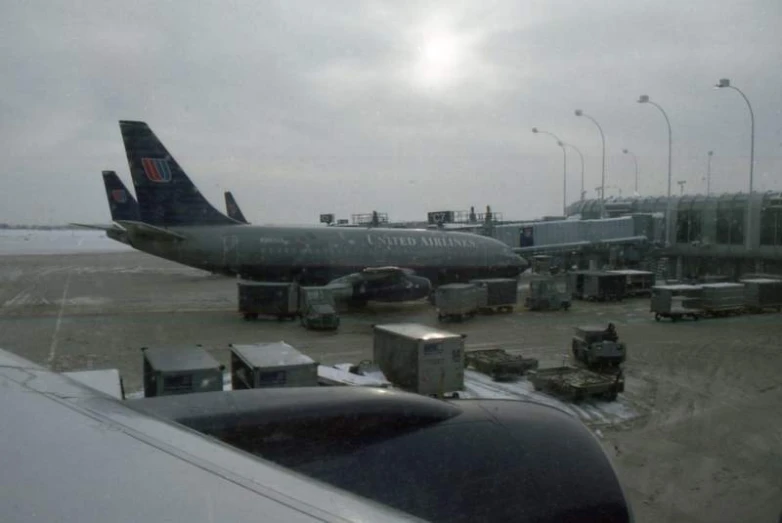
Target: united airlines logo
[156, 169]
[119, 195]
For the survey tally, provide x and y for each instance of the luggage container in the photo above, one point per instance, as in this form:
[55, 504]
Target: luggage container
[722, 299]
[603, 286]
[676, 302]
[263, 365]
[576, 384]
[499, 364]
[420, 358]
[637, 283]
[762, 293]
[279, 299]
[545, 295]
[501, 294]
[174, 371]
[456, 301]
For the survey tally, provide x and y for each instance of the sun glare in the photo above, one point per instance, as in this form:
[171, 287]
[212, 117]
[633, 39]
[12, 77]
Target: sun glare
[439, 59]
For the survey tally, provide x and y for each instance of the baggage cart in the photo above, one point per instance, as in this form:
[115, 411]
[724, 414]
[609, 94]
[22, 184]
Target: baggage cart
[182, 370]
[456, 301]
[544, 296]
[676, 302]
[761, 294]
[499, 364]
[420, 358]
[278, 299]
[575, 384]
[263, 365]
[722, 299]
[497, 294]
[637, 283]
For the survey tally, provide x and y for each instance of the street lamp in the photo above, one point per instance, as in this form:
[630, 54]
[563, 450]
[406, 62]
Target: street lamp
[583, 192]
[724, 83]
[564, 167]
[635, 159]
[644, 99]
[708, 173]
[579, 112]
[681, 186]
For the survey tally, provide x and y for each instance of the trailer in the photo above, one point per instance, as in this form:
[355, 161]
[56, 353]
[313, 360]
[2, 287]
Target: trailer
[576, 384]
[279, 299]
[676, 302]
[456, 301]
[498, 364]
[497, 294]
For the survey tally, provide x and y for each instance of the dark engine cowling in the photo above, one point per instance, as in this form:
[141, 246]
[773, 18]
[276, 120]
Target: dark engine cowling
[455, 461]
[405, 287]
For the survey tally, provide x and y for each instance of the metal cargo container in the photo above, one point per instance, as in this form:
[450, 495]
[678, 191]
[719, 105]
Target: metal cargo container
[280, 299]
[762, 293]
[167, 372]
[637, 283]
[420, 358]
[596, 285]
[722, 297]
[676, 301]
[262, 365]
[501, 293]
[456, 301]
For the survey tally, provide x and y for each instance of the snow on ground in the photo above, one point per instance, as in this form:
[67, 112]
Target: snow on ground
[29, 241]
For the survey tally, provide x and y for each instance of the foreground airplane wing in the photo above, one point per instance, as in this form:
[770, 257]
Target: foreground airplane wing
[71, 453]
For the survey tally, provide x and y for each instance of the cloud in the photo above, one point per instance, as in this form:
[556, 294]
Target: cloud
[302, 107]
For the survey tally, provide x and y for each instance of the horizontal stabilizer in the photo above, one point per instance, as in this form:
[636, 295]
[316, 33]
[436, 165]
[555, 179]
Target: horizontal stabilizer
[112, 227]
[150, 231]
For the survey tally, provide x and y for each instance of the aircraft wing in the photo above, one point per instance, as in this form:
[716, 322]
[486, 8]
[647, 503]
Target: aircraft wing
[72, 453]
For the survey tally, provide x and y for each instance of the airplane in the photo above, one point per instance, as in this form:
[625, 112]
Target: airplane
[177, 223]
[233, 208]
[122, 205]
[337, 454]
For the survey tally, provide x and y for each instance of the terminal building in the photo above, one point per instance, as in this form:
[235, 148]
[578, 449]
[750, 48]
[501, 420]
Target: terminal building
[727, 234]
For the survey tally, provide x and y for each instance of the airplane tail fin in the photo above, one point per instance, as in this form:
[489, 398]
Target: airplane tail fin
[233, 208]
[122, 204]
[166, 196]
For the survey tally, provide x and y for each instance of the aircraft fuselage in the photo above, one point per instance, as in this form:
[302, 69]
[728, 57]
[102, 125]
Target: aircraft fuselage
[317, 255]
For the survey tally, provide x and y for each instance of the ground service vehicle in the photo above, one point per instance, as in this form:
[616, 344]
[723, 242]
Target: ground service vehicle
[598, 346]
[317, 309]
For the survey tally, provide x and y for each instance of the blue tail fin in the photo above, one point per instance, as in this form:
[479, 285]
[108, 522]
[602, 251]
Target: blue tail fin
[233, 208]
[122, 204]
[166, 196]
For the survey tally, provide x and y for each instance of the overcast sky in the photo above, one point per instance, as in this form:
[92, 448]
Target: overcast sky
[303, 107]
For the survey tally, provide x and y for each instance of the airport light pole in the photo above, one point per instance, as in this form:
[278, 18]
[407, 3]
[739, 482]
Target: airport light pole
[708, 173]
[724, 83]
[583, 192]
[635, 159]
[644, 99]
[681, 186]
[564, 168]
[579, 112]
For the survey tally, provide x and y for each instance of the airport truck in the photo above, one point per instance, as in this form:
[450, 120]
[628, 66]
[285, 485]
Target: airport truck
[598, 347]
[317, 309]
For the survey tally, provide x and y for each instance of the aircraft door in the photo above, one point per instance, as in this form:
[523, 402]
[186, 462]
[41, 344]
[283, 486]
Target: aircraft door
[231, 251]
